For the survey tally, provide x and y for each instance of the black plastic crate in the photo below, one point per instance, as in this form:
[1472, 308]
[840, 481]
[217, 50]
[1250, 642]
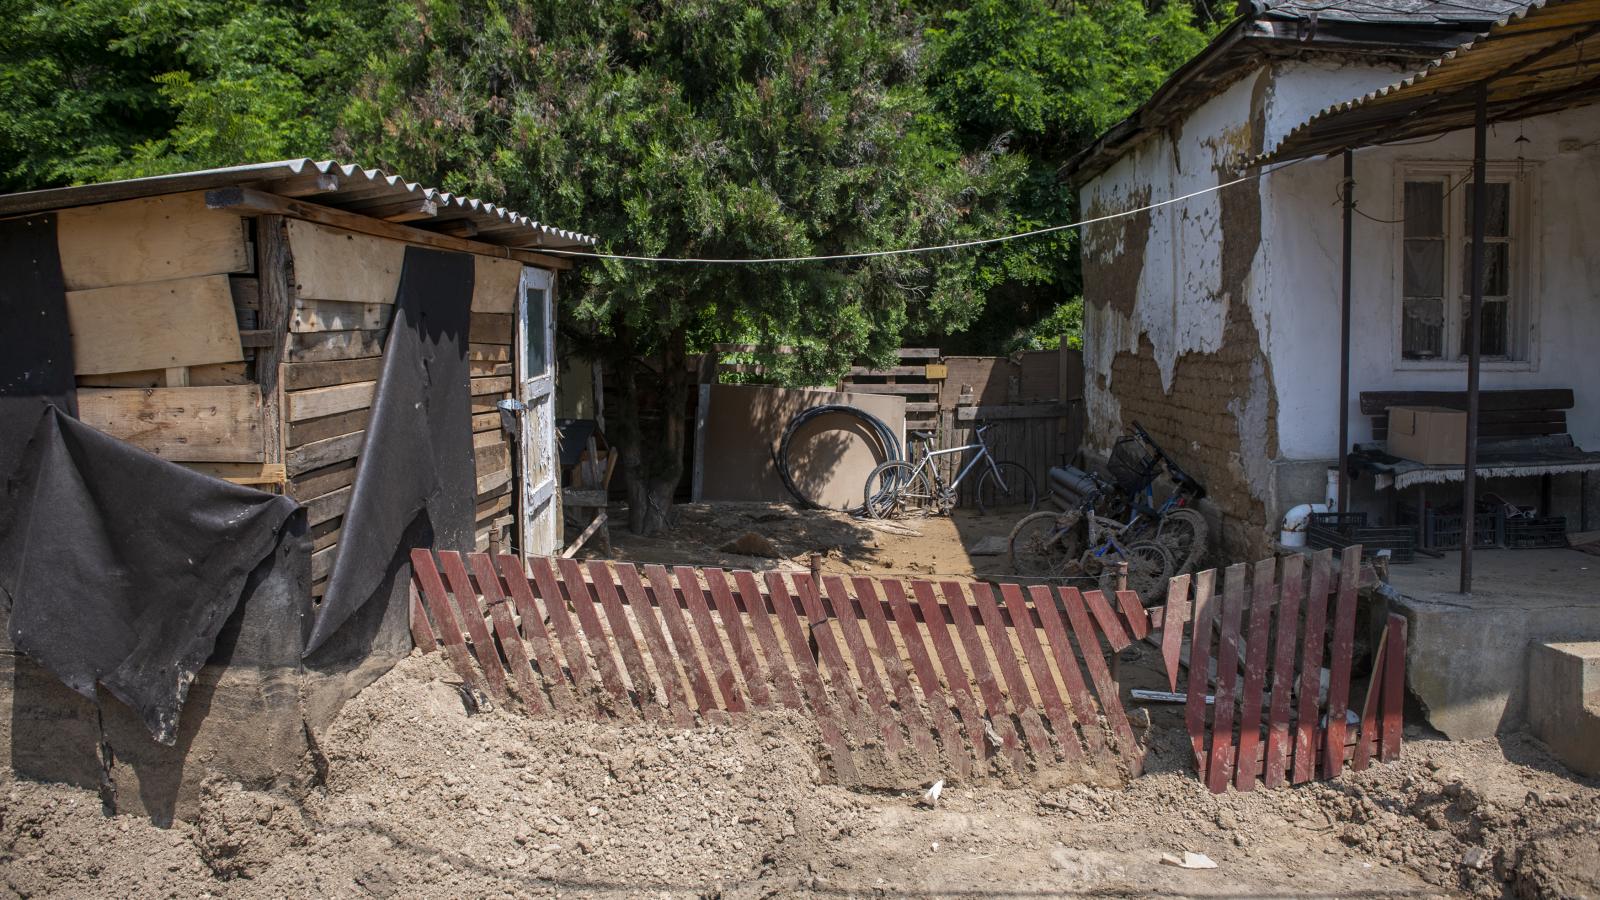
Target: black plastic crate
[1443, 531]
[1535, 532]
[1340, 530]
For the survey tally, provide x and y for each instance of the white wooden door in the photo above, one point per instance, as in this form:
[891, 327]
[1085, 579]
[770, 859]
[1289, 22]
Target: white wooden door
[536, 384]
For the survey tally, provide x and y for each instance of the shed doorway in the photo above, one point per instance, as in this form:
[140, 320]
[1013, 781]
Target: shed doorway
[539, 522]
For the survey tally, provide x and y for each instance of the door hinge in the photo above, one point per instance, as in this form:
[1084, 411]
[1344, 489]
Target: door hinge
[510, 410]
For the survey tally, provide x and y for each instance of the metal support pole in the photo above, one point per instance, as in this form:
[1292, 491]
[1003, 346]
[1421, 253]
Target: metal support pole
[1480, 202]
[1348, 189]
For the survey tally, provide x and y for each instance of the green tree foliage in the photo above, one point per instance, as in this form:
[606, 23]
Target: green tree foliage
[98, 89]
[701, 128]
[1044, 79]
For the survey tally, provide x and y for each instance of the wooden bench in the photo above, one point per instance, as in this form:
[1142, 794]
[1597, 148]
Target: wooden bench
[1521, 433]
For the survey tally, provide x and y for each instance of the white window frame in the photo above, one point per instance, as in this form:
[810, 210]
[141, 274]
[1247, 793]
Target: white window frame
[1523, 314]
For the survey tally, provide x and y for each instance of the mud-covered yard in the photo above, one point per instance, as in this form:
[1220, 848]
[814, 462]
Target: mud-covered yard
[421, 797]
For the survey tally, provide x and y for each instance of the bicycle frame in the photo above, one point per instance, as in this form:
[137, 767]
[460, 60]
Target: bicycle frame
[982, 455]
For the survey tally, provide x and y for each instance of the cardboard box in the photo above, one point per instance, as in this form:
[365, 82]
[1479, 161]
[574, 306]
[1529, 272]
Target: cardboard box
[1431, 435]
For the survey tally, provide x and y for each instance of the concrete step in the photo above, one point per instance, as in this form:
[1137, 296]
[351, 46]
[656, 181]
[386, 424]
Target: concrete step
[1564, 702]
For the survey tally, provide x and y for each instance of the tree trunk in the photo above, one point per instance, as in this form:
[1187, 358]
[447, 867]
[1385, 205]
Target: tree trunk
[652, 446]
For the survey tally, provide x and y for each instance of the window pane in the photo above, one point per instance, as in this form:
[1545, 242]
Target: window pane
[1424, 212]
[538, 362]
[1499, 222]
[1422, 328]
[1496, 271]
[1424, 268]
[1496, 337]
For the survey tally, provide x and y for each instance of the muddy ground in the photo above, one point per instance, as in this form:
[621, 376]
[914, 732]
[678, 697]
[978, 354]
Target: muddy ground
[423, 798]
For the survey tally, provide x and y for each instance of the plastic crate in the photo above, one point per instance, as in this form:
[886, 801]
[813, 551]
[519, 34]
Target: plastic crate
[1536, 532]
[1340, 530]
[1443, 531]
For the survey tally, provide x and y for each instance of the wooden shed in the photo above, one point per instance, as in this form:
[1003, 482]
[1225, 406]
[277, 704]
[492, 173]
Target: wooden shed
[248, 323]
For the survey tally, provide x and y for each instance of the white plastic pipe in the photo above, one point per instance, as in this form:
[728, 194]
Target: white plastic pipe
[1295, 522]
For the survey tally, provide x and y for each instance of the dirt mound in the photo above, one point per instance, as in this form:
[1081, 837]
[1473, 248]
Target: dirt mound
[423, 798]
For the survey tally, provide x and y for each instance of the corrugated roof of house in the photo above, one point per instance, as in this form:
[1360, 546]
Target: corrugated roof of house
[1410, 32]
[367, 192]
[1534, 61]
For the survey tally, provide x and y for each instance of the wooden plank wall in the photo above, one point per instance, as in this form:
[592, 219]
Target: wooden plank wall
[343, 288]
[162, 295]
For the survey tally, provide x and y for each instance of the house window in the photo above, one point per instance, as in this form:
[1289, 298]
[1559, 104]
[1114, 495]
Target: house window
[1436, 265]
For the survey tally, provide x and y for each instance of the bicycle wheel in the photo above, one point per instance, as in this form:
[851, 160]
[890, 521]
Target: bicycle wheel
[1183, 532]
[896, 489]
[1019, 489]
[1149, 567]
[1043, 545]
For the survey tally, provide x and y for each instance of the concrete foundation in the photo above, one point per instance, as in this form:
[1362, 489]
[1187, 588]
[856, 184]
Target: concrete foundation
[1468, 658]
[1564, 702]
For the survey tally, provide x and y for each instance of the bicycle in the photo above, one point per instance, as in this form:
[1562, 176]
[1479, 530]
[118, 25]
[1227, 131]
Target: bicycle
[898, 488]
[1050, 544]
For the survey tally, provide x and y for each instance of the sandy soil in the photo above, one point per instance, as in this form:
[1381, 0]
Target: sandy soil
[423, 798]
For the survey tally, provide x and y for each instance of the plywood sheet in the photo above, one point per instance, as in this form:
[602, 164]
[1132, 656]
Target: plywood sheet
[184, 424]
[494, 284]
[831, 456]
[154, 239]
[154, 325]
[331, 264]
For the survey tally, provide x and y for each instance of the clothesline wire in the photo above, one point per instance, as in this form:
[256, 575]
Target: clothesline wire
[957, 245]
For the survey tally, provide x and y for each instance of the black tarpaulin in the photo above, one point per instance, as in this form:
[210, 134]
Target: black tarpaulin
[418, 458]
[35, 341]
[129, 565]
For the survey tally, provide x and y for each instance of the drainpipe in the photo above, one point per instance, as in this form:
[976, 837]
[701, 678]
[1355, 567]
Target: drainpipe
[1480, 199]
[1348, 189]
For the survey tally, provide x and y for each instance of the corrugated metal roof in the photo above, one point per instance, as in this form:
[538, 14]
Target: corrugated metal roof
[368, 192]
[1393, 12]
[1539, 60]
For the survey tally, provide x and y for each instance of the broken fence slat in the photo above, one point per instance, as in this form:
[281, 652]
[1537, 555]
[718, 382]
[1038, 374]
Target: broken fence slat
[895, 669]
[683, 642]
[1194, 712]
[1219, 770]
[1367, 729]
[832, 660]
[1305, 738]
[1292, 585]
[1344, 633]
[988, 687]
[922, 664]
[535, 633]
[1172, 627]
[1083, 706]
[1100, 674]
[421, 632]
[700, 614]
[777, 667]
[954, 675]
[661, 655]
[888, 725]
[583, 604]
[555, 606]
[1016, 685]
[1255, 672]
[529, 690]
[1392, 704]
[811, 680]
[622, 633]
[1044, 680]
[467, 606]
[426, 572]
[1110, 624]
[1134, 613]
[743, 653]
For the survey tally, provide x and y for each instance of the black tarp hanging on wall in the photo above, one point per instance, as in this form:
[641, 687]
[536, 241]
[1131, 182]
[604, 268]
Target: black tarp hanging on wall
[119, 568]
[415, 479]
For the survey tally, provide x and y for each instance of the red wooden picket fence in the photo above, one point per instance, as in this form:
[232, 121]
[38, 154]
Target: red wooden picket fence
[1267, 725]
[921, 679]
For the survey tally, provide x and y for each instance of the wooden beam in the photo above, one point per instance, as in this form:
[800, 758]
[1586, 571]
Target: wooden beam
[1019, 411]
[275, 274]
[249, 201]
[154, 325]
[187, 424]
